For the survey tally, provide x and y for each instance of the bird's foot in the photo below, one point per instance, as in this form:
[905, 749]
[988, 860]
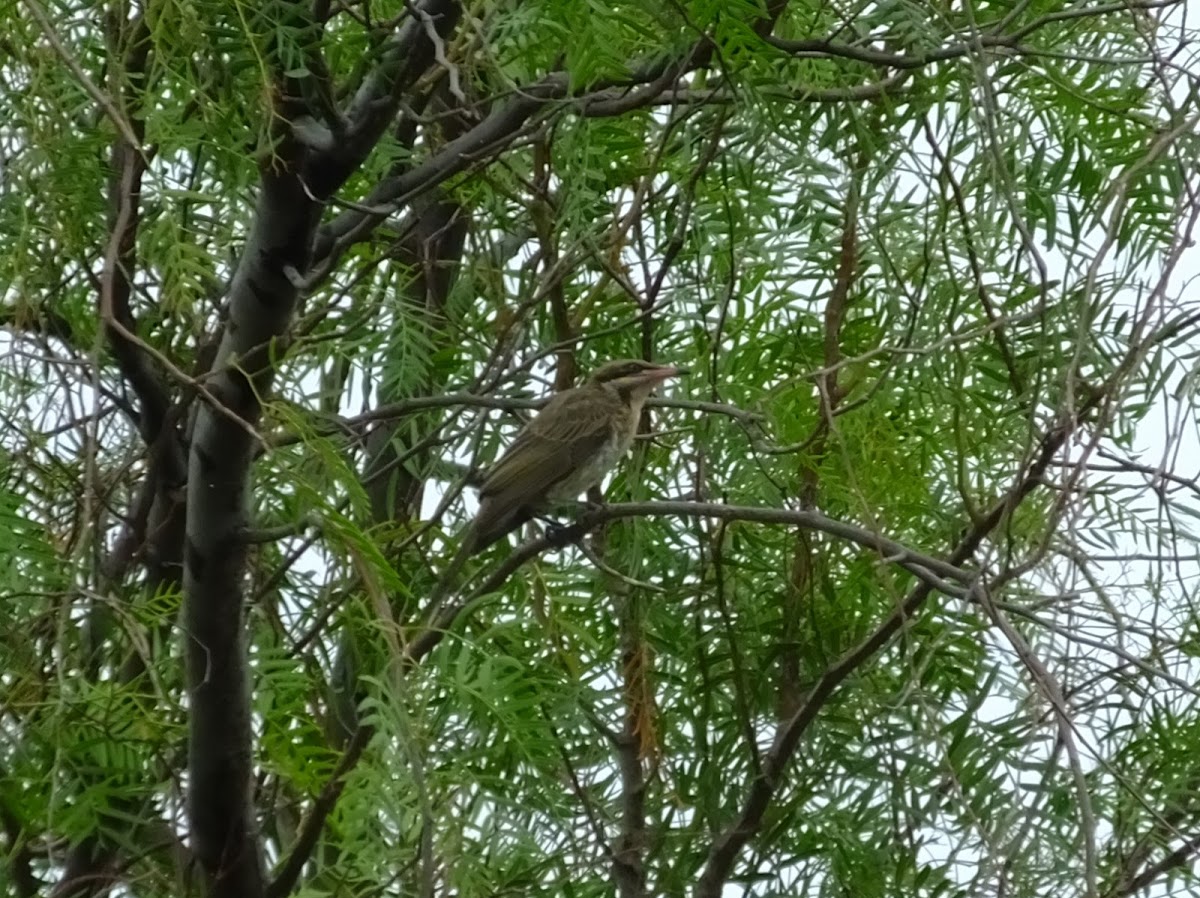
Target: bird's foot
[559, 535]
[548, 522]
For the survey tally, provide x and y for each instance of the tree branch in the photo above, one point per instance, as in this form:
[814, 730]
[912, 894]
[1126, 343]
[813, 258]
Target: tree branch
[403, 60]
[433, 634]
[128, 133]
[495, 133]
[889, 550]
[477, 145]
[728, 845]
[1172, 861]
[990, 37]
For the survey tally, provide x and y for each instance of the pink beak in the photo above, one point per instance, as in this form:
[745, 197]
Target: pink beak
[666, 371]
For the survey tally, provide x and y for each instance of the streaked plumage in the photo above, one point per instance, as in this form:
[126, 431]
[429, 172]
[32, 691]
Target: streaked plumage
[567, 448]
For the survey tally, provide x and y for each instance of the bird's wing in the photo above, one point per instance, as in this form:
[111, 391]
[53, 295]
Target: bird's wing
[571, 427]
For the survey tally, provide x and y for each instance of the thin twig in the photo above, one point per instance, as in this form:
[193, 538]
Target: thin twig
[102, 99]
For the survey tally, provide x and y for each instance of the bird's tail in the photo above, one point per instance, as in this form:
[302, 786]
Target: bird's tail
[479, 538]
[448, 582]
[475, 540]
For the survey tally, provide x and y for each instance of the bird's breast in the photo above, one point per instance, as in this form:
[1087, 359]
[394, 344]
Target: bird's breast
[591, 470]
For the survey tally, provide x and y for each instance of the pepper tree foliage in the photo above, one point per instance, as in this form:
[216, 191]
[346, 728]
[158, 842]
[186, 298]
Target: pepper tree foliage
[896, 599]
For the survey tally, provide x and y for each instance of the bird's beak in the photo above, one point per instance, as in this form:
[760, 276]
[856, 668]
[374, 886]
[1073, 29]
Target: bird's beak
[664, 372]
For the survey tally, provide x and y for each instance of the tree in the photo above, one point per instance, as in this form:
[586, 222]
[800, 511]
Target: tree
[893, 598]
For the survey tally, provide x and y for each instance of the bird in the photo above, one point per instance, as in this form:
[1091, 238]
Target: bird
[566, 449]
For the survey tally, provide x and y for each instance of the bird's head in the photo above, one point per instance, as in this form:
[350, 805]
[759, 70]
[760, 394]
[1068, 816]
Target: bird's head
[633, 377]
